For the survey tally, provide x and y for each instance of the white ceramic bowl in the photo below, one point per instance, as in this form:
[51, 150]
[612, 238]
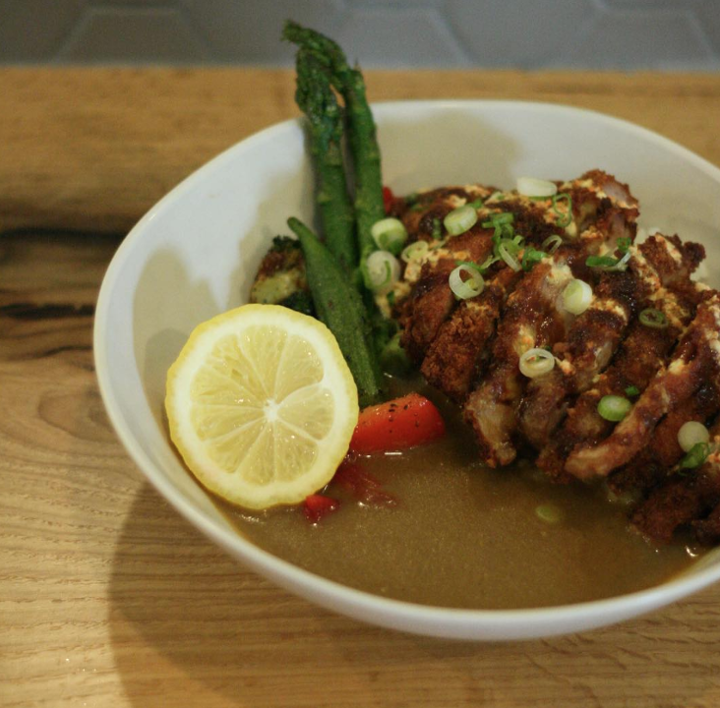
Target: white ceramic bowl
[194, 254]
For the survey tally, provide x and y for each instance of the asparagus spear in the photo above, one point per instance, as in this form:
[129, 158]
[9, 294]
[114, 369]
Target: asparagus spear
[316, 99]
[361, 128]
[340, 307]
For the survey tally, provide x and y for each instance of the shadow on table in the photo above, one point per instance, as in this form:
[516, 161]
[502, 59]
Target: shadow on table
[191, 627]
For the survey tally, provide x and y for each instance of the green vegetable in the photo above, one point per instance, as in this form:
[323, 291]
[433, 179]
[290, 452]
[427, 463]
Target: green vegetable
[601, 261]
[436, 229]
[499, 219]
[697, 455]
[531, 256]
[632, 391]
[653, 318]
[614, 408]
[565, 218]
[361, 131]
[460, 220]
[316, 99]
[549, 513]
[281, 274]
[552, 243]
[340, 307]
[390, 235]
[623, 244]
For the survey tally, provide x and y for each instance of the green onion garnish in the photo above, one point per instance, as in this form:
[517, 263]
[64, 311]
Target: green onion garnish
[566, 218]
[389, 234]
[507, 250]
[531, 256]
[632, 391]
[415, 251]
[653, 318]
[577, 296]
[601, 261]
[614, 408]
[691, 433]
[549, 513]
[462, 288]
[552, 243]
[623, 244]
[437, 229]
[380, 271]
[536, 362]
[460, 220]
[607, 262]
[697, 455]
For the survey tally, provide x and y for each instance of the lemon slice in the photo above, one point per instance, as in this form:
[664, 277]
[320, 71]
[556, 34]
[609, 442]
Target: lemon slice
[261, 405]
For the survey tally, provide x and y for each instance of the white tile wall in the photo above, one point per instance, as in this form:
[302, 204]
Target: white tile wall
[603, 34]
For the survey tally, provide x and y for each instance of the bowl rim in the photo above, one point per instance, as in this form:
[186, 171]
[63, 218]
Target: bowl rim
[522, 623]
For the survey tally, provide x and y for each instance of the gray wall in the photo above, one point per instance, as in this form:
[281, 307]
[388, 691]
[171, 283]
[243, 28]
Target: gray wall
[597, 34]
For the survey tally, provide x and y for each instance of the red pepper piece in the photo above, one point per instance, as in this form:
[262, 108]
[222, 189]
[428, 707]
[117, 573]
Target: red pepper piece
[388, 199]
[397, 425]
[362, 485]
[318, 505]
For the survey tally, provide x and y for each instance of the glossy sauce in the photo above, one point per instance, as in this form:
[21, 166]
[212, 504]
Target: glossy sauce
[463, 535]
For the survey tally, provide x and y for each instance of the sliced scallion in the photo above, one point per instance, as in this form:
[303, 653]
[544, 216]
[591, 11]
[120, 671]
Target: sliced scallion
[651, 317]
[536, 362]
[500, 219]
[552, 243]
[549, 513]
[468, 287]
[564, 218]
[692, 433]
[695, 457]
[460, 220]
[505, 252]
[622, 263]
[608, 262]
[382, 271]
[623, 244]
[577, 296]
[632, 391]
[600, 261]
[389, 235]
[614, 408]
[415, 251]
[436, 229]
[531, 256]
[533, 187]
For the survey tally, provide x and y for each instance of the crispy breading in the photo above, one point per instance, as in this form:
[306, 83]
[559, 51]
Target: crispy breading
[587, 349]
[695, 359]
[651, 465]
[459, 351]
[432, 301]
[640, 356]
[685, 497]
[670, 373]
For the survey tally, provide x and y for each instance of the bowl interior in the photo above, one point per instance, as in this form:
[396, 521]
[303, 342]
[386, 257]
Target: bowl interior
[194, 255]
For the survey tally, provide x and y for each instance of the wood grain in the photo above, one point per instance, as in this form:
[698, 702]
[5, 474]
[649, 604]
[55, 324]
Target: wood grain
[108, 597]
[96, 148]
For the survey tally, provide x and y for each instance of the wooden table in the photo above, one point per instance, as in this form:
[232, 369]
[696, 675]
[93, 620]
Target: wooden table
[107, 596]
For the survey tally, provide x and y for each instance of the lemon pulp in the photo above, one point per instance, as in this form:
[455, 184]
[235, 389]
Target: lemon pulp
[261, 405]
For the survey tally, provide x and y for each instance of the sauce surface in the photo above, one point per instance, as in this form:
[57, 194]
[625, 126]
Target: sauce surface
[465, 536]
